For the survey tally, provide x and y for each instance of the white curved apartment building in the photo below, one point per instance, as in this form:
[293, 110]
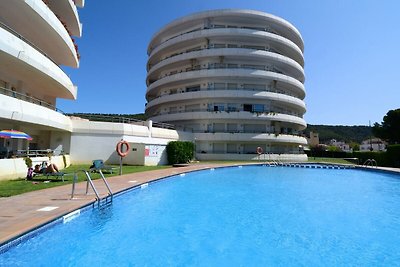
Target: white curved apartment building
[235, 78]
[36, 38]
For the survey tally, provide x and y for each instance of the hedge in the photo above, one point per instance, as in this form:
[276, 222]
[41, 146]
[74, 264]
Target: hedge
[390, 158]
[180, 152]
[393, 155]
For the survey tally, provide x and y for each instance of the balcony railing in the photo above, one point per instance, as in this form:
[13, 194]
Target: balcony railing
[220, 66]
[211, 110]
[277, 91]
[272, 50]
[16, 34]
[214, 26]
[30, 99]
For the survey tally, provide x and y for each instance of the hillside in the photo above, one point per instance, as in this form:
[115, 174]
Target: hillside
[340, 133]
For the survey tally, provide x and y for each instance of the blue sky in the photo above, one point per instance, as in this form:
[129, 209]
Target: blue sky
[352, 54]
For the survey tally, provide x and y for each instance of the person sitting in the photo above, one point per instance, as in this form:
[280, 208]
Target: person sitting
[37, 169]
[51, 168]
[46, 168]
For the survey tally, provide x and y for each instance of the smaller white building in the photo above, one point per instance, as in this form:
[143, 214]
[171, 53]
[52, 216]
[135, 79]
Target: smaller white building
[341, 145]
[374, 144]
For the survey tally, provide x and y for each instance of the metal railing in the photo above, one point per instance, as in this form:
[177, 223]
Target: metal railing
[370, 163]
[276, 91]
[272, 50]
[258, 113]
[30, 99]
[89, 181]
[214, 26]
[221, 66]
[120, 119]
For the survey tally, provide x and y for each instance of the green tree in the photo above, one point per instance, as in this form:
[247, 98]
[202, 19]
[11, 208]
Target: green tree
[334, 149]
[355, 146]
[389, 129]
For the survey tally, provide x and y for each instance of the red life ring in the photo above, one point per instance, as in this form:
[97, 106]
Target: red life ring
[259, 150]
[120, 146]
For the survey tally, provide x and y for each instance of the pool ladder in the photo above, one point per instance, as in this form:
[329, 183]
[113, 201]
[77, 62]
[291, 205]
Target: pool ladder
[370, 162]
[89, 181]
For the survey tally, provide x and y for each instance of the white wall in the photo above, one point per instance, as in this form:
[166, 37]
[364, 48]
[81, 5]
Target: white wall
[16, 168]
[97, 140]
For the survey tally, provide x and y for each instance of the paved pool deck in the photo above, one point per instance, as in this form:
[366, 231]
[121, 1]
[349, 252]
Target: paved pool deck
[23, 213]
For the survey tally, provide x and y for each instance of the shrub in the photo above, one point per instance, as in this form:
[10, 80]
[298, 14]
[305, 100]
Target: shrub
[28, 162]
[393, 156]
[180, 152]
[380, 157]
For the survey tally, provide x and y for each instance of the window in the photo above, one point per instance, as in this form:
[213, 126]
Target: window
[231, 148]
[232, 107]
[248, 107]
[232, 86]
[193, 88]
[232, 127]
[258, 108]
[219, 107]
[219, 86]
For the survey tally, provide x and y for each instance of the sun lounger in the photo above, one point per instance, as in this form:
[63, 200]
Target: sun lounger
[56, 175]
[98, 164]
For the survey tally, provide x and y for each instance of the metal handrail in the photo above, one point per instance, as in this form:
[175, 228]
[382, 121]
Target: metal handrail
[89, 181]
[370, 162]
[106, 183]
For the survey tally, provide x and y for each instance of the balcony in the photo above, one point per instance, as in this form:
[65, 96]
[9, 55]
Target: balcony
[283, 100]
[22, 62]
[15, 109]
[275, 63]
[167, 49]
[251, 137]
[204, 114]
[231, 74]
[43, 29]
[67, 12]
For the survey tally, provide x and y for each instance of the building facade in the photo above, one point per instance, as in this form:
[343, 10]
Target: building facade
[36, 38]
[373, 144]
[234, 78]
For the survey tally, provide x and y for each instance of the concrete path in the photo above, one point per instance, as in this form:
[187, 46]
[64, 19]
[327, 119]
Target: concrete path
[23, 213]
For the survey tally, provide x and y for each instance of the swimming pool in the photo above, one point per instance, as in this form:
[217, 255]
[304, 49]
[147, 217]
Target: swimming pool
[251, 216]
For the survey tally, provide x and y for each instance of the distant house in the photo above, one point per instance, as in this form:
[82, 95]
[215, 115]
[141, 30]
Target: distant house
[341, 145]
[313, 140]
[374, 144]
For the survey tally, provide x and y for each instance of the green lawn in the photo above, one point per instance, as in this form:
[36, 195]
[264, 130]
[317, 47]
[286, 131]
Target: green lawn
[328, 160]
[19, 186]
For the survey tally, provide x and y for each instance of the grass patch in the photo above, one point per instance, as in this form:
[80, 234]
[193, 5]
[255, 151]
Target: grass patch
[19, 186]
[328, 160]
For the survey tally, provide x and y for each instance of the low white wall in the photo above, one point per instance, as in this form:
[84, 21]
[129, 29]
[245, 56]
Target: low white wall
[16, 168]
[97, 140]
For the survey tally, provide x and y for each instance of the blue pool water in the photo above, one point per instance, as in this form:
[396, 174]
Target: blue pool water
[250, 216]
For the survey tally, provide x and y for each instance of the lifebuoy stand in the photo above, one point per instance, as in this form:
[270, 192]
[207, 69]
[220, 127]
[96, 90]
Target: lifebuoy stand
[122, 152]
